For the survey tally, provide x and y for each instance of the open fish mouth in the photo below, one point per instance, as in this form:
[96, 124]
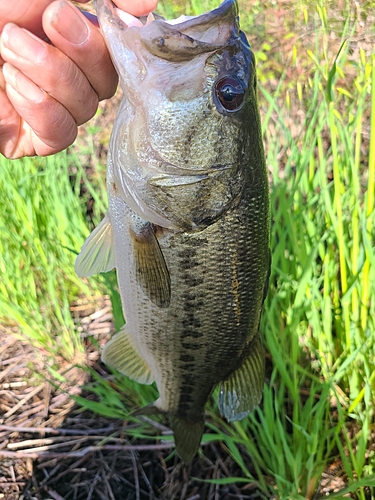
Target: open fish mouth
[132, 21]
[176, 39]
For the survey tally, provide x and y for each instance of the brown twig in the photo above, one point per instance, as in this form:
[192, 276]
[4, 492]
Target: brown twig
[85, 451]
[16, 484]
[57, 441]
[54, 494]
[23, 401]
[11, 365]
[136, 477]
[34, 410]
[13, 385]
[92, 487]
[52, 430]
[160, 427]
[108, 486]
[51, 479]
[47, 446]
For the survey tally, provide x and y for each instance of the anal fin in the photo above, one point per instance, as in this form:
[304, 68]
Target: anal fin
[151, 270]
[242, 391]
[120, 353]
[97, 254]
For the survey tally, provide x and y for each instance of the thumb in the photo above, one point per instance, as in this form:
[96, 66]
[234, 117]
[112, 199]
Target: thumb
[27, 14]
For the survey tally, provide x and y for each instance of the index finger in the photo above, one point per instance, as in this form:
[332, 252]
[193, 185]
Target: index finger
[62, 23]
[137, 7]
[25, 13]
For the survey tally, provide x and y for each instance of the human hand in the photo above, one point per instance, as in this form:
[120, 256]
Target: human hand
[46, 90]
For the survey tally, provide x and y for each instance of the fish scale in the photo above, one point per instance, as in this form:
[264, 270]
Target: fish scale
[187, 225]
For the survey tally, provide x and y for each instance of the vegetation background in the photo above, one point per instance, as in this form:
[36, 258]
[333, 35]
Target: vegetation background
[313, 434]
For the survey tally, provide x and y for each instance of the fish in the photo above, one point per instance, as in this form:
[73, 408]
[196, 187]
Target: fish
[188, 220]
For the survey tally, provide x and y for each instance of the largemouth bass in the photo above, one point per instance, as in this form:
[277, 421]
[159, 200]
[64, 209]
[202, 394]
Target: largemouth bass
[187, 226]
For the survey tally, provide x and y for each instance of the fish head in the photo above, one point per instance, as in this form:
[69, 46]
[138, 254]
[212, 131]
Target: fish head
[188, 129]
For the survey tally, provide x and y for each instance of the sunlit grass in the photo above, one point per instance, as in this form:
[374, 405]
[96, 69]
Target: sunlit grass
[42, 228]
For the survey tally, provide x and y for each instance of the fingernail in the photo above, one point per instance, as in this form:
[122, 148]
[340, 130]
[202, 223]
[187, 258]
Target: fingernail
[69, 23]
[23, 43]
[22, 85]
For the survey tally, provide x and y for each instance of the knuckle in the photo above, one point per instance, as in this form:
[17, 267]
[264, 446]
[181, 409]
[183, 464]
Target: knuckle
[77, 94]
[88, 108]
[104, 77]
[59, 132]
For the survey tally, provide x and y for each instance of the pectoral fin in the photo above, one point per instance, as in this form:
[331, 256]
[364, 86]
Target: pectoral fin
[120, 353]
[242, 391]
[151, 270]
[97, 255]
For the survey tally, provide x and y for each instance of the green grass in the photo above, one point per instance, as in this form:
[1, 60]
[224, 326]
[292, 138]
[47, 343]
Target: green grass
[42, 227]
[319, 315]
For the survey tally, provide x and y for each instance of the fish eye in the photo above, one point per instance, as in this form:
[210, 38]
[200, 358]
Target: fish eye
[230, 93]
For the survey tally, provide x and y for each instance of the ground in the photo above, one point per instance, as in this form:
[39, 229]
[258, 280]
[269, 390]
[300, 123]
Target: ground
[51, 449]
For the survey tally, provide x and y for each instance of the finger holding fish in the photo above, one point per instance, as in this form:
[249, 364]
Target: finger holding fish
[137, 7]
[57, 70]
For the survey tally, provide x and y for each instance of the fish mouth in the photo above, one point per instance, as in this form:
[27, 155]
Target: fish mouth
[184, 21]
[131, 21]
[176, 39]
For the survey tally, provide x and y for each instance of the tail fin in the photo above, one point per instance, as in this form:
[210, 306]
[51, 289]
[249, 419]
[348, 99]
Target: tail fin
[187, 436]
